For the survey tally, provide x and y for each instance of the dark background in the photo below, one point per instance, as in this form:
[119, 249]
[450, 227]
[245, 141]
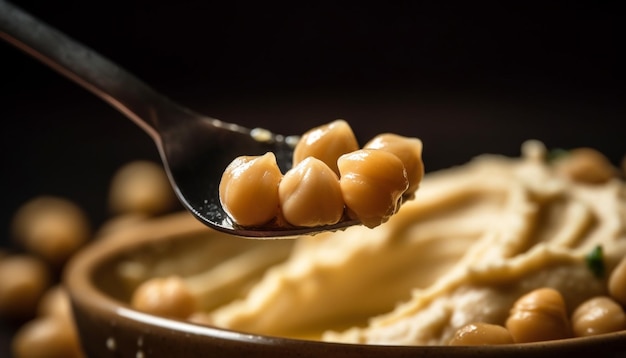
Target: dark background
[465, 77]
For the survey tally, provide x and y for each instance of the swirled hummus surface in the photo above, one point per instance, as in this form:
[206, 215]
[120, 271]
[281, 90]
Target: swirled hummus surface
[476, 238]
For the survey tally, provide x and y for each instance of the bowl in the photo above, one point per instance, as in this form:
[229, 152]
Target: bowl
[109, 327]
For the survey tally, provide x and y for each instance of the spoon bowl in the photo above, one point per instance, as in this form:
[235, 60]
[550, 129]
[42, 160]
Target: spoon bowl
[195, 149]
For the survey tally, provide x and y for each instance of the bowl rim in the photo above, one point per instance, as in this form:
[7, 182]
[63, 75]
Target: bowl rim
[83, 293]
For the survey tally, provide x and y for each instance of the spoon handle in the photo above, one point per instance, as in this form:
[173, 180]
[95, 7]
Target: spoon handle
[82, 65]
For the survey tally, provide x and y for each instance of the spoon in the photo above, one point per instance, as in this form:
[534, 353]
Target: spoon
[195, 149]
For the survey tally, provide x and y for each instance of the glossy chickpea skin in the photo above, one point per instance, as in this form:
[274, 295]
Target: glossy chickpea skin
[598, 315]
[409, 150]
[310, 194]
[50, 227]
[23, 281]
[164, 296]
[540, 315]
[326, 143]
[617, 282]
[372, 183]
[585, 165]
[480, 333]
[249, 189]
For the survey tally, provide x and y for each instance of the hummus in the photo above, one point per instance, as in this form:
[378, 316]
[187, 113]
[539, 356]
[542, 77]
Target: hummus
[476, 238]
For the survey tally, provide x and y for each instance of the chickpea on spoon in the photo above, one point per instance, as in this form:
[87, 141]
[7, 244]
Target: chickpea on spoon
[331, 181]
[195, 149]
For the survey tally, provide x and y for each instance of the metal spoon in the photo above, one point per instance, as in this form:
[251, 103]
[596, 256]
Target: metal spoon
[195, 149]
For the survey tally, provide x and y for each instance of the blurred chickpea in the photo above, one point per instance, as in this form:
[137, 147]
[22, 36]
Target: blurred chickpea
[310, 194]
[540, 315]
[585, 165]
[474, 334]
[409, 150]
[372, 183]
[164, 296]
[141, 187]
[617, 282]
[55, 302]
[326, 143]
[598, 315]
[51, 227]
[23, 280]
[46, 337]
[249, 189]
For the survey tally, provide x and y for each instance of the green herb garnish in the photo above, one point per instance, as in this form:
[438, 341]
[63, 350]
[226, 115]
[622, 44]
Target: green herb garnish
[595, 261]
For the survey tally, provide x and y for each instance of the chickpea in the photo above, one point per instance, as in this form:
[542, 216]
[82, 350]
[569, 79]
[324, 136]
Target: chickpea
[585, 165]
[598, 315]
[166, 296]
[48, 337]
[23, 280]
[51, 227]
[540, 315]
[249, 189]
[480, 333]
[372, 183]
[326, 143]
[55, 302]
[409, 150]
[617, 282]
[310, 194]
[141, 186]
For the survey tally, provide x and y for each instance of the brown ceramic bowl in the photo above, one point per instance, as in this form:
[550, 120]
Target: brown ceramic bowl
[109, 327]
